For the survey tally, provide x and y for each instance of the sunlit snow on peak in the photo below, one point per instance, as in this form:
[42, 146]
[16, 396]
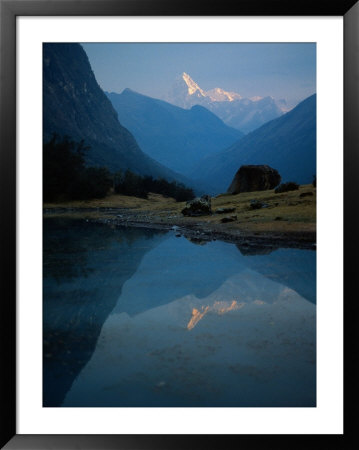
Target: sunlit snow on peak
[192, 86]
[214, 95]
[220, 95]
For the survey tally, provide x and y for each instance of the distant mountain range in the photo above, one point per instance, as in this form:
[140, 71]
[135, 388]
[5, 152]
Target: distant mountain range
[287, 144]
[176, 137]
[74, 105]
[245, 114]
[193, 141]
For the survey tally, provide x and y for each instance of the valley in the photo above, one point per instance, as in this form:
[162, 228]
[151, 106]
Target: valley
[177, 138]
[289, 219]
[179, 231]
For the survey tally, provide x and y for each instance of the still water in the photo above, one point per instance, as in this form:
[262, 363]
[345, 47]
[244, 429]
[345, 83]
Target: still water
[135, 317]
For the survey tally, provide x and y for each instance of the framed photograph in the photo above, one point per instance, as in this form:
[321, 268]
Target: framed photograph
[173, 236]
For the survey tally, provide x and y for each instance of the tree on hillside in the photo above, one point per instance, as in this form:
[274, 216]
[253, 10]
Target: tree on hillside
[65, 176]
[130, 183]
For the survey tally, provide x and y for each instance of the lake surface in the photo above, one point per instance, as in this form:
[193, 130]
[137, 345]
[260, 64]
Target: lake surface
[135, 317]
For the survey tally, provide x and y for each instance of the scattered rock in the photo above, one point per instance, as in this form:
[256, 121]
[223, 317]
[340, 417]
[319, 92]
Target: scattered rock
[254, 178]
[256, 204]
[224, 210]
[286, 187]
[198, 207]
[305, 194]
[228, 219]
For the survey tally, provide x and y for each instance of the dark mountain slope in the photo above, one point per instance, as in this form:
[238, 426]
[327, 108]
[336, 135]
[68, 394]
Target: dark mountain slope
[287, 144]
[75, 105]
[176, 137]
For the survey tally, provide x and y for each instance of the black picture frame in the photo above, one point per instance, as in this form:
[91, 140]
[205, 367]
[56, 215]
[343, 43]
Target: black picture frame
[9, 10]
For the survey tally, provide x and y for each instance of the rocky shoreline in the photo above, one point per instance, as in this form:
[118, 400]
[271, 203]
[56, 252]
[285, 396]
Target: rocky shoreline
[196, 231]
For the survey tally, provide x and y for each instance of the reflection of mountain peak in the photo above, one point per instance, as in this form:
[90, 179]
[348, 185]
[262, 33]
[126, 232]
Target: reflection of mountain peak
[218, 307]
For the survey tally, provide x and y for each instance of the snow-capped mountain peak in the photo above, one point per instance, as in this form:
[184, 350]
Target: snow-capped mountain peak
[192, 85]
[220, 95]
[256, 98]
[214, 95]
[239, 112]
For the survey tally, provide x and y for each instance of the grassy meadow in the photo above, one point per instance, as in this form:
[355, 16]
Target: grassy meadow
[286, 212]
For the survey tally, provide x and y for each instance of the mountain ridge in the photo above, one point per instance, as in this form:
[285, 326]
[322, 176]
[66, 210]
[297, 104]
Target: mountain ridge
[74, 105]
[245, 114]
[174, 136]
[287, 143]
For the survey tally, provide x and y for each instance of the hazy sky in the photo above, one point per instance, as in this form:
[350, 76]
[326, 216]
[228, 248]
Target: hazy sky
[280, 70]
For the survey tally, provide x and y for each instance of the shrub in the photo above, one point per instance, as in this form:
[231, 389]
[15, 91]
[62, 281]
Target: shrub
[132, 184]
[285, 187]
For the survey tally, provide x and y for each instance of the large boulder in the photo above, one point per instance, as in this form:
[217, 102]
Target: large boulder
[198, 207]
[254, 178]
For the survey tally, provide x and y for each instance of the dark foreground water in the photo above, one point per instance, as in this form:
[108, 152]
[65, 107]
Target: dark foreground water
[135, 317]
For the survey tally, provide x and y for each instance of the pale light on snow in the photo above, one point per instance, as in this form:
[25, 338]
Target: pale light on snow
[192, 86]
[215, 95]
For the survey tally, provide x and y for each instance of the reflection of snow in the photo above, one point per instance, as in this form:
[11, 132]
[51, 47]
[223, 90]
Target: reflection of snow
[196, 316]
[220, 307]
[252, 343]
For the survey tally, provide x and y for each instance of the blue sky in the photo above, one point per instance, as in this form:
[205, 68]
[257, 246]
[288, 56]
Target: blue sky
[282, 70]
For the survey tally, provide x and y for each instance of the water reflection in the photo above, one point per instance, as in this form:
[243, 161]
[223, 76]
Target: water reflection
[295, 269]
[187, 325]
[84, 268]
[219, 307]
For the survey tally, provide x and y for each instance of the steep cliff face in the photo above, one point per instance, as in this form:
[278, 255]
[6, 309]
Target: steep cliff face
[75, 105]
